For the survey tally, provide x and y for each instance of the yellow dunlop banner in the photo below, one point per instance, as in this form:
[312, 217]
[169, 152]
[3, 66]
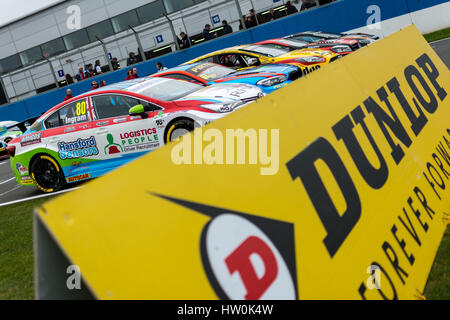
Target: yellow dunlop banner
[335, 187]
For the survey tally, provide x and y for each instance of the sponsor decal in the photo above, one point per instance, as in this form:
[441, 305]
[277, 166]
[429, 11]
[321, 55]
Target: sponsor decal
[119, 120]
[78, 178]
[81, 148]
[254, 262]
[100, 124]
[139, 140]
[70, 129]
[112, 147]
[31, 139]
[21, 169]
[26, 180]
[76, 119]
[309, 70]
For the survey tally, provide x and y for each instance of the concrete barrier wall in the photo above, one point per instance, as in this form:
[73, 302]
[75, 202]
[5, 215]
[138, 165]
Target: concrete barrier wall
[340, 16]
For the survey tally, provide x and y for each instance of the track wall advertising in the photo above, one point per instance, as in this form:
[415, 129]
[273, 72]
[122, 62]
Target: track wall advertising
[356, 210]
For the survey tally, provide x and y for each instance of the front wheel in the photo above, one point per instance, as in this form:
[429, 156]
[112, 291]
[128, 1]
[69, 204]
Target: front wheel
[47, 175]
[178, 128]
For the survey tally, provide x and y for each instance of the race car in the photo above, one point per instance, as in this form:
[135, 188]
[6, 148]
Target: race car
[268, 77]
[3, 152]
[315, 36]
[9, 130]
[341, 46]
[247, 56]
[89, 135]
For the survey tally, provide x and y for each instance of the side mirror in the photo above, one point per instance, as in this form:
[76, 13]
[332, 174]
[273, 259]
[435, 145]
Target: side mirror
[138, 110]
[252, 62]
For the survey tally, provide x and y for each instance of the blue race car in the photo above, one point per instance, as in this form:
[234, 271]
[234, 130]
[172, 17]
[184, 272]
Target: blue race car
[268, 77]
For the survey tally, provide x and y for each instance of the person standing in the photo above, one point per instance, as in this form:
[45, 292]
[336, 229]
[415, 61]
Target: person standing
[160, 67]
[273, 15]
[94, 85]
[207, 33]
[68, 95]
[306, 5]
[226, 27]
[98, 68]
[80, 75]
[132, 74]
[290, 9]
[132, 59]
[184, 42]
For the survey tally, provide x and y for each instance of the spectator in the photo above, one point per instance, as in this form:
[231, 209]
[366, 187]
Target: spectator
[184, 42]
[132, 59]
[89, 71]
[306, 4]
[160, 67]
[273, 15]
[207, 33]
[98, 68]
[69, 79]
[241, 27]
[102, 83]
[226, 27]
[128, 75]
[68, 95]
[249, 23]
[115, 64]
[132, 74]
[94, 85]
[290, 9]
[81, 75]
[256, 19]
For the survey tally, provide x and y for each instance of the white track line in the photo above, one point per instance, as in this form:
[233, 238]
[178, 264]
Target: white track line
[37, 197]
[13, 189]
[437, 41]
[6, 181]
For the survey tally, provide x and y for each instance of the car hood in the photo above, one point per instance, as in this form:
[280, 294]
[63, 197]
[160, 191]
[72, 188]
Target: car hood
[225, 92]
[306, 53]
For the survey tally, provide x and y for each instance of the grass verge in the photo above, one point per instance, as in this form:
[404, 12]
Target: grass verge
[438, 35]
[16, 250]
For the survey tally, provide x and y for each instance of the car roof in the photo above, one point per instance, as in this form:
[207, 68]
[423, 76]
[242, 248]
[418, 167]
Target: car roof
[130, 86]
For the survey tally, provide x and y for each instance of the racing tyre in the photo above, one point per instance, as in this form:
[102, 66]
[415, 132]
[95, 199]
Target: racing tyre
[47, 175]
[178, 128]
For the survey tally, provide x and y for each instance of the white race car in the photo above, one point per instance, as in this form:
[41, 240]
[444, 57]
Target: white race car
[89, 135]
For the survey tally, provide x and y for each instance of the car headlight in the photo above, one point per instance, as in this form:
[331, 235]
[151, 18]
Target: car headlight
[272, 81]
[311, 59]
[222, 107]
[341, 49]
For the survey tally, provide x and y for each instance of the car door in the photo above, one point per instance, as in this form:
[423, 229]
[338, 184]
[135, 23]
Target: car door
[122, 137]
[70, 139]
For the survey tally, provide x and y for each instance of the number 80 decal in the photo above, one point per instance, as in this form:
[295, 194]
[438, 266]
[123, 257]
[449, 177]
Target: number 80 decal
[81, 108]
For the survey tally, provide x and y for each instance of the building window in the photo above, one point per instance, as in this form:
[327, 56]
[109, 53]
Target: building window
[76, 39]
[10, 64]
[123, 21]
[151, 11]
[53, 48]
[177, 5]
[100, 30]
[31, 56]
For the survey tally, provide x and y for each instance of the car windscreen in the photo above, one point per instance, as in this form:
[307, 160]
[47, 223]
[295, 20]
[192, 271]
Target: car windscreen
[215, 72]
[168, 89]
[266, 51]
[305, 38]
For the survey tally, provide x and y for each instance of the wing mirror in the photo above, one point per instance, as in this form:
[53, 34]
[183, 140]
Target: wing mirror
[252, 62]
[138, 110]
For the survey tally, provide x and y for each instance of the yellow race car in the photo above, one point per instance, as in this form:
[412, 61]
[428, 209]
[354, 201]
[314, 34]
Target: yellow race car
[248, 56]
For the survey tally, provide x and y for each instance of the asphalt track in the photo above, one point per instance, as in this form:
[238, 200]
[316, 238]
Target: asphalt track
[11, 192]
